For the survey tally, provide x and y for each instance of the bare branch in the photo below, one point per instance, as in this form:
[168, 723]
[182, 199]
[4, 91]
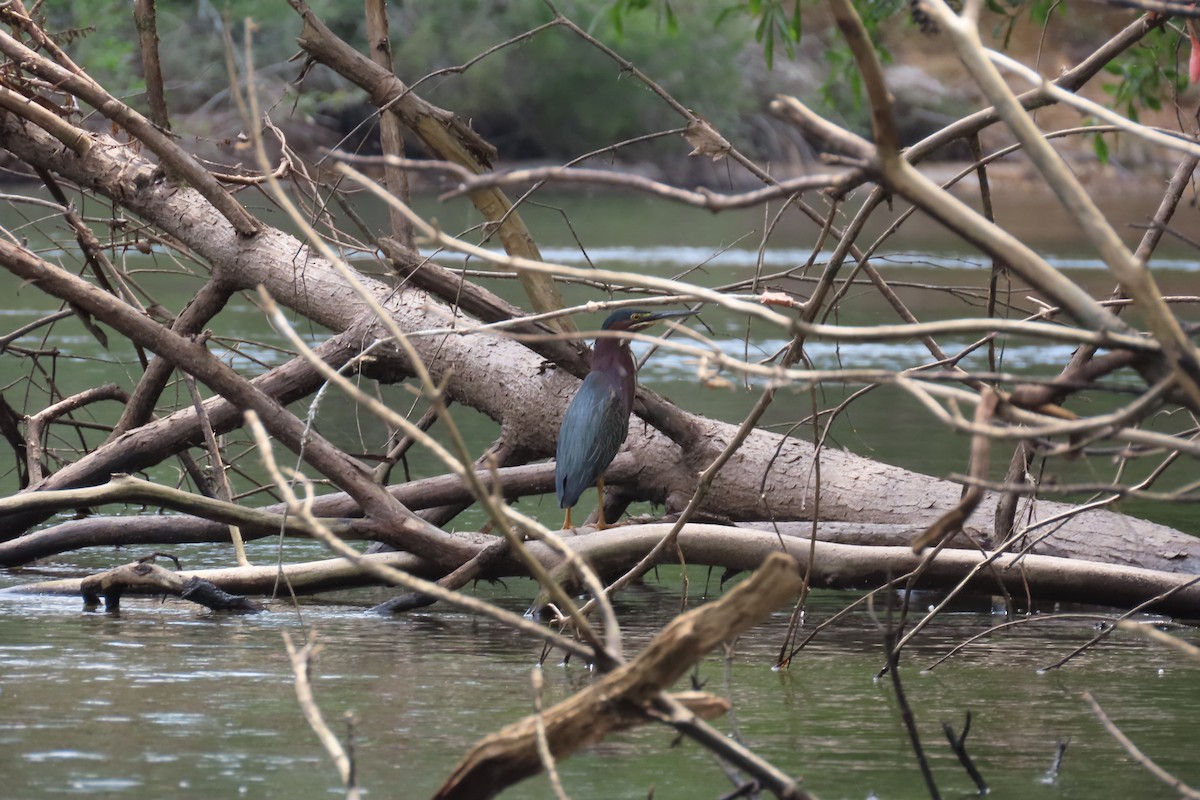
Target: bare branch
[145, 19]
[1154, 769]
[510, 755]
[701, 198]
[1134, 277]
[301, 658]
[439, 130]
[36, 429]
[83, 87]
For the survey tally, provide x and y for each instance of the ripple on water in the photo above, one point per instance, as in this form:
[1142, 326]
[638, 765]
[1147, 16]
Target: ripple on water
[174, 719]
[98, 785]
[675, 257]
[44, 756]
[159, 758]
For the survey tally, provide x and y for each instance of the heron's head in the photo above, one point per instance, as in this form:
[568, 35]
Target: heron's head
[633, 319]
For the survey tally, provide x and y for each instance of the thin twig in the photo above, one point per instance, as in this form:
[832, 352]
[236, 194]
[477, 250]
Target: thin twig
[469, 182]
[906, 713]
[301, 659]
[543, 746]
[958, 743]
[1183, 789]
[1148, 630]
[1108, 630]
[217, 464]
[1183, 359]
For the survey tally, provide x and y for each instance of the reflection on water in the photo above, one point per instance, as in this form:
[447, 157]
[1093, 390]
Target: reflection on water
[678, 257]
[167, 700]
[668, 365]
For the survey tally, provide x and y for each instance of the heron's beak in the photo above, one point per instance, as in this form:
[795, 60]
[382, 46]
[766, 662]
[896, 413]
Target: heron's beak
[661, 315]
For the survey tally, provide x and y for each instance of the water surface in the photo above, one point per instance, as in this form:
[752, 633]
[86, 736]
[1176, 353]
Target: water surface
[167, 700]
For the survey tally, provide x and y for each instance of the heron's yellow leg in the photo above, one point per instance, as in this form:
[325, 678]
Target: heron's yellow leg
[567, 522]
[600, 523]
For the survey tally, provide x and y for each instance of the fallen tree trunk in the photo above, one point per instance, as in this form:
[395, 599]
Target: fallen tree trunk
[852, 489]
[834, 566]
[1151, 550]
[844, 566]
[306, 578]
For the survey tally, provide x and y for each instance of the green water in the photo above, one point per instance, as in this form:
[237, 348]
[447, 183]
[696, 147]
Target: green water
[166, 700]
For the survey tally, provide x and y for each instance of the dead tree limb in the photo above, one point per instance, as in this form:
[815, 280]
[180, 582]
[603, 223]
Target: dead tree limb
[834, 566]
[186, 166]
[325, 575]
[36, 429]
[623, 695]
[444, 134]
[301, 658]
[1183, 789]
[144, 577]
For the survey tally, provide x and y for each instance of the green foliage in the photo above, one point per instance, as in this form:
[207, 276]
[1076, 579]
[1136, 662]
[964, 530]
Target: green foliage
[1100, 147]
[843, 88]
[556, 95]
[772, 19]
[1146, 74]
[619, 8]
[1039, 10]
[550, 95]
[108, 51]
[1010, 11]
[101, 36]
[844, 83]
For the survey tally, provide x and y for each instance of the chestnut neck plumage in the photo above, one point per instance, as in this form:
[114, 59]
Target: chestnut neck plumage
[611, 358]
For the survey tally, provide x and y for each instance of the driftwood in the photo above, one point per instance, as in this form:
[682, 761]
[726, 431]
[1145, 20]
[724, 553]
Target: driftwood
[145, 577]
[843, 566]
[1138, 544]
[835, 565]
[309, 577]
[624, 696]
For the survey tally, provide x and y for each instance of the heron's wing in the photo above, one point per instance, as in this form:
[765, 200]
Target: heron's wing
[593, 430]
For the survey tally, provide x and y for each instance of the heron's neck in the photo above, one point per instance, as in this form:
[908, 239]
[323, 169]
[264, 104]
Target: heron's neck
[612, 357]
[609, 352]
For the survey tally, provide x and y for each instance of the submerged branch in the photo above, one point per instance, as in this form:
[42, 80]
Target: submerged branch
[833, 565]
[623, 696]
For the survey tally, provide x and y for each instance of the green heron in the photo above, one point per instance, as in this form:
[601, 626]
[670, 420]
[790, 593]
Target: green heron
[597, 421]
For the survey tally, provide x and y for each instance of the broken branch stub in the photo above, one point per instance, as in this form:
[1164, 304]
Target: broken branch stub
[145, 578]
[620, 698]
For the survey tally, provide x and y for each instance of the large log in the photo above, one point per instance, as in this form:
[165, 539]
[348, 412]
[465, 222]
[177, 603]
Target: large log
[506, 381]
[833, 566]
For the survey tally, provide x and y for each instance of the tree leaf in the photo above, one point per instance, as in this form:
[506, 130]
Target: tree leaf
[1101, 147]
[614, 14]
